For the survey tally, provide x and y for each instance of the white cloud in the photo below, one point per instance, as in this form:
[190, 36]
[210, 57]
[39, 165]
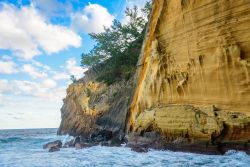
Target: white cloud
[7, 67]
[61, 76]
[47, 89]
[53, 8]
[4, 86]
[49, 83]
[37, 113]
[27, 33]
[6, 58]
[73, 69]
[93, 18]
[33, 72]
[130, 4]
[38, 64]
[138, 3]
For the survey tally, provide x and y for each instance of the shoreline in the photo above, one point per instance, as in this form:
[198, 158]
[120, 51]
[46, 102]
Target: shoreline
[197, 147]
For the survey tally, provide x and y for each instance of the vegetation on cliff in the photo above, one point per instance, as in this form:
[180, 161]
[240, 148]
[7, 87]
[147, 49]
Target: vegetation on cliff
[117, 48]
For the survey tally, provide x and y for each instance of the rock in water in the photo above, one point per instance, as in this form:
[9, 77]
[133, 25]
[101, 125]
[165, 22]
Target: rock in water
[139, 149]
[54, 144]
[54, 149]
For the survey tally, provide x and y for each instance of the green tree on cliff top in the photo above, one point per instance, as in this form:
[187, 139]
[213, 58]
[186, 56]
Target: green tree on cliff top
[117, 48]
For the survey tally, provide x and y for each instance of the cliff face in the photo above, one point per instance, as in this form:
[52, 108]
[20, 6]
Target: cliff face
[192, 83]
[196, 53]
[91, 106]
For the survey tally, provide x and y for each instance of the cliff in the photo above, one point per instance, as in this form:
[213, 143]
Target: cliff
[192, 86]
[91, 106]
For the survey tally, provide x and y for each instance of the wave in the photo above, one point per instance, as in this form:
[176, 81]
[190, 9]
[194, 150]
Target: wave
[11, 139]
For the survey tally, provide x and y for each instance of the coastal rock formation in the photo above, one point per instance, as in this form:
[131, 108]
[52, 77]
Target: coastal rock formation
[195, 53]
[53, 146]
[92, 106]
[191, 89]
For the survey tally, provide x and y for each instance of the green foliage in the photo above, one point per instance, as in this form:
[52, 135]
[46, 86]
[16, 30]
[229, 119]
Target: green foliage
[117, 48]
[73, 78]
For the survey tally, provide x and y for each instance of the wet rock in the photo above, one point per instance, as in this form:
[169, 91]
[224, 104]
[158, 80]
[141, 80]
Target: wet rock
[103, 135]
[54, 149]
[69, 144]
[139, 148]
[78, 146]
[56, 143]
[73, 142]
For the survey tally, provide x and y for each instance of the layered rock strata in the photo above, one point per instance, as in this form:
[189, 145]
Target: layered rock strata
[92, 106]
[196, 56]
[191, 91]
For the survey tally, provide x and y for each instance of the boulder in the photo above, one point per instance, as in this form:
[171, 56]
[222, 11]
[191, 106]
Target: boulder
[103, 135]
[139, 148]
[54, 149]
[57, 143]
[69, 144]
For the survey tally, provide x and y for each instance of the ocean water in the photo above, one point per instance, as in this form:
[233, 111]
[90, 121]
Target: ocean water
[23, 148]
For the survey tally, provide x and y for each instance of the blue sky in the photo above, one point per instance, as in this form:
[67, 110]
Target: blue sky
[40, 46]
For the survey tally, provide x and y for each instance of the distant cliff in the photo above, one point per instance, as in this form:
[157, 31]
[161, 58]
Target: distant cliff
[91, 106]
[191, 90]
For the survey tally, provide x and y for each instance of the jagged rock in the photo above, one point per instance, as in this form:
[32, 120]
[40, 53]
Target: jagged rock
[91, 106]
[103, 135]
[53, 144]
[54, 149]
[69, 144]
[78, 146]
[139, 148]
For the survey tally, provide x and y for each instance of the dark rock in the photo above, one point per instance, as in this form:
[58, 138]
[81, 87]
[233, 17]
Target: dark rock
[73, 142]
[139, 148]
[54, 149]
[103, 135]
[78, 146]
[84, 145]
[56, 143]
[69, 144]
[77, 140]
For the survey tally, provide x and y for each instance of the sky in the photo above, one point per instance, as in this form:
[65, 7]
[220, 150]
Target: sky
[41, 42]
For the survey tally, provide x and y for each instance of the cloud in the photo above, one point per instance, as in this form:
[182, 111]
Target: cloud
[61, 76]
[33, 72]
[17, 113]
[73, 69]
[49, 83]
[43, 66]
[4, 86]
[138, 3]
[53, 8]
[27, 33]
[92, 19]
[6, 58]
[47, 89]
[7, 67]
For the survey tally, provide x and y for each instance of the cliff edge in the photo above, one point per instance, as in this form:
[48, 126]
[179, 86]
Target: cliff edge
[191, 89]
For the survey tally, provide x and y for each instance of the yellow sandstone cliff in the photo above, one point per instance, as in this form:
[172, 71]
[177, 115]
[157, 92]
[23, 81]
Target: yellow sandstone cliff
[194, 71]
[192, 83]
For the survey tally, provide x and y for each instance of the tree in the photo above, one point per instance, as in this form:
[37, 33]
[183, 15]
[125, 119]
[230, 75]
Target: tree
[118, 47]
[73, 78]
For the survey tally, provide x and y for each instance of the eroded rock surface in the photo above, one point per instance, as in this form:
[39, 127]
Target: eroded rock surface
[92, 106]
[192, 86]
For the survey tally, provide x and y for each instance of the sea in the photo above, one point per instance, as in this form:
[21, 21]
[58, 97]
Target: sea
[23, 148]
